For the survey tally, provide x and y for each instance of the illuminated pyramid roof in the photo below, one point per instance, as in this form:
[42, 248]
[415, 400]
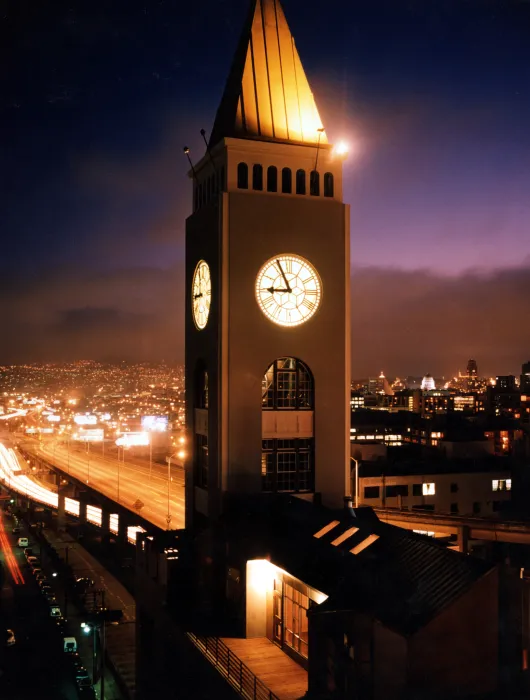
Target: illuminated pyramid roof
[267, 95]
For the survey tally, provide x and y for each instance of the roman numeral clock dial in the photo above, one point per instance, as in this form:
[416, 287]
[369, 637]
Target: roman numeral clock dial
[288, 290]
[201, 294]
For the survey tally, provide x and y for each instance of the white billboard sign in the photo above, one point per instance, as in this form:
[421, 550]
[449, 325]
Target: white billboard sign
[133, 440]
[85, 419]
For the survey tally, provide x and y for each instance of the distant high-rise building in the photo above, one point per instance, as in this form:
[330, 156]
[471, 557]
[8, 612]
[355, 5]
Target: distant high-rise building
[472, 368]
[525, 377]
[506, 382]
[428, 383]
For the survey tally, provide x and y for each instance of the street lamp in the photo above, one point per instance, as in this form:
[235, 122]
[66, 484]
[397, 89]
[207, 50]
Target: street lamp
[97, 627]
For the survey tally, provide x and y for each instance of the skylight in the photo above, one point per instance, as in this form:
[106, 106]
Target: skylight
[364, 544]
[326, 529]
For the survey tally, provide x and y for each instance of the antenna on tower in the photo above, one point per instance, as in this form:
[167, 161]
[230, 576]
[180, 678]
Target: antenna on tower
[320, 132]
[203, 134]
[187, 154]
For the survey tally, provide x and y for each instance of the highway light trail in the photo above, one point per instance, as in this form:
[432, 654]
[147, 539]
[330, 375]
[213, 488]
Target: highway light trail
[14, 478]
[9, 558]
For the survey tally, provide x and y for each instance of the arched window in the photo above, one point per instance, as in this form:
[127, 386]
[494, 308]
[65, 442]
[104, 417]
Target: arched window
[314, 183]
[300, 182]
[272, 179]
[287, 385]
[257, 177]
[242, 176]
[328, 184]
[287, 181]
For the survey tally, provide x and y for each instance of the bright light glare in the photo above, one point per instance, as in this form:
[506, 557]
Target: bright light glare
[341, 149]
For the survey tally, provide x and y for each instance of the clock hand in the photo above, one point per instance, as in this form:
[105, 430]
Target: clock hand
[196, 296]
[283, 275]
[272, 290]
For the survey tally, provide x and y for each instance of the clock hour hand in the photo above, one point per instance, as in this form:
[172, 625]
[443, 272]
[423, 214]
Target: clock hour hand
[196, 296]
[272, 290]
[284, 277]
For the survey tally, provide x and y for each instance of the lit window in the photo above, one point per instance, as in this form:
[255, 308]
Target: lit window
[501, 485]
[428, 489]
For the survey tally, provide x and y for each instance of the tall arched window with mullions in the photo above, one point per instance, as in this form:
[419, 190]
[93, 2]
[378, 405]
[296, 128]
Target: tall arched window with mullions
[287, 461]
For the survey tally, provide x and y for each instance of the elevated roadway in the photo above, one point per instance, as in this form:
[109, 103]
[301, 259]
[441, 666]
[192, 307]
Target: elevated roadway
[464, 527]
[157, 493]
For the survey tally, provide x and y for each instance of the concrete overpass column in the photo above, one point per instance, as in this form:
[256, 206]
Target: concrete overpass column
[61, 516]
[123, 524]
[105, 522]
[83, 501]
[463, 539]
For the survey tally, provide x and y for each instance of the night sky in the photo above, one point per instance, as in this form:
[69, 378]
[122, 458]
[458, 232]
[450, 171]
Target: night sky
[98, 98]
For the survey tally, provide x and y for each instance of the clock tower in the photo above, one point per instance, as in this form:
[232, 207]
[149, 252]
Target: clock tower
[267, 288]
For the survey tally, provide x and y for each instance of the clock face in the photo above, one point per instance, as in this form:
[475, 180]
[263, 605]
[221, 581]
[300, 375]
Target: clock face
[201, 292]
[288, 290]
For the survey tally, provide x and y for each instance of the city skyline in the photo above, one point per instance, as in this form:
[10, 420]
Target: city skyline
[436, 177]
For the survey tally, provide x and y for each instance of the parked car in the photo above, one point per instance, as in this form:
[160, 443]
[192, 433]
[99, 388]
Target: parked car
[32, 561]
[23, 542]
[37, 571]
[45, 588]
[36, 562]
[82, 678]
[28, 552]
[50, 597]
[42, 580]
[55, 611]
[16, 530]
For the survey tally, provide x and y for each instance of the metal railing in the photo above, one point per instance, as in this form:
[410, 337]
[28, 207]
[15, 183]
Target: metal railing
[240, 677]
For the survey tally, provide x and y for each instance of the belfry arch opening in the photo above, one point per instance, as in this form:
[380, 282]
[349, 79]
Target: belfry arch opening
[288, 444]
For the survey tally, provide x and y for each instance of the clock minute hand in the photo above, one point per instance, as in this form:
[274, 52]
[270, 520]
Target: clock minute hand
[284, 277]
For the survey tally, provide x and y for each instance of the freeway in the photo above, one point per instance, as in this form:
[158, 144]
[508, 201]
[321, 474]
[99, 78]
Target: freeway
[126, 482]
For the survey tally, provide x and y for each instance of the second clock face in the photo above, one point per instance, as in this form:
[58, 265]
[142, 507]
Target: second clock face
[201, 290]
[288, 290]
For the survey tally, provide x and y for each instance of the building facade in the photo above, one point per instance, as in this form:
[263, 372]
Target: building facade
[267, 288]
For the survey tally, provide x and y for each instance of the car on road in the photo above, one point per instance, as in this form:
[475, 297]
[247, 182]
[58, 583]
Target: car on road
[16, 530]
[55, 611]
[28, 552]
[83, 583]
[32, 561]
[23, 542]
